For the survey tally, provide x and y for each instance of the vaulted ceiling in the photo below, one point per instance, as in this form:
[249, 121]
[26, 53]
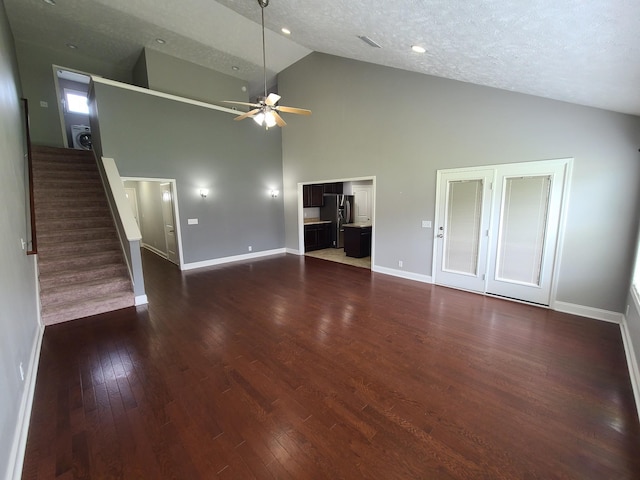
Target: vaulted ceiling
[571, 50]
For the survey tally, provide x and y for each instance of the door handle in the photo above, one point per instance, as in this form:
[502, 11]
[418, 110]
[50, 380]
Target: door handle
[440, 235]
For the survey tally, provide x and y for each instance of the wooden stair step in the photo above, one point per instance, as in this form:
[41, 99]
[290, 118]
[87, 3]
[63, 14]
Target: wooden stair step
[71, 224]
[68, 263]
[81, 275]
[86, 307]
[78, 210]
[46, 239]
[92, 289]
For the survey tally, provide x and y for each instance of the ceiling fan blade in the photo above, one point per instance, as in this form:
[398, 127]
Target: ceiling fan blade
[279, 121]
[248, 114]
[272, 99]
[242, 103]
[298, 111]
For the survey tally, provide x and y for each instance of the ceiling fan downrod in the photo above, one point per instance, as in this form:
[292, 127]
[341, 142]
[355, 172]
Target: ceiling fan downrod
[263, 4]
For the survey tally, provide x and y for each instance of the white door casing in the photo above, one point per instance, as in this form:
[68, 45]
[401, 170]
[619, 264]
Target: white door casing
[510, 225]
[169, 222]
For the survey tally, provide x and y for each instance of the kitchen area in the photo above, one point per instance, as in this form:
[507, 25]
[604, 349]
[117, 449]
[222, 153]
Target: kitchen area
[338, 221]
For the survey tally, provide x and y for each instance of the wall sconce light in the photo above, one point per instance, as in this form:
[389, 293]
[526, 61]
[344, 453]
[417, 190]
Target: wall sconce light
[274, 193]
[204, 192]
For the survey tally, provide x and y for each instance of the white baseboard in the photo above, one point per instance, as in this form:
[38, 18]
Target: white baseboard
[19, 443]
[589, 312]
[402, 274]
[293, 251]
[160, 253]
[141, 300]
[234, 258]
[632, 362]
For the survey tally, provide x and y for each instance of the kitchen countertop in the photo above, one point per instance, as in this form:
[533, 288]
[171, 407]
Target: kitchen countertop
[315, 221]
[358, 225]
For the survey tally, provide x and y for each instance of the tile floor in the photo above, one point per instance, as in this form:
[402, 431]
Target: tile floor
[338, 255]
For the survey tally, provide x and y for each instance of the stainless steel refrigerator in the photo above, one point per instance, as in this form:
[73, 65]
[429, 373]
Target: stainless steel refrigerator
[339, 209]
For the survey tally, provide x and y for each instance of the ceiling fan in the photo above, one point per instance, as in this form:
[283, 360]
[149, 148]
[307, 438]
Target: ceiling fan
[265, 111]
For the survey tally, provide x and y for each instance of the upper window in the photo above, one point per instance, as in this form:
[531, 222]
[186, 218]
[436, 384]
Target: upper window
[76, 101]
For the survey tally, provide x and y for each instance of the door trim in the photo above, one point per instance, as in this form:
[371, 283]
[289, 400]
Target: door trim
[557, 258]
[176, 208]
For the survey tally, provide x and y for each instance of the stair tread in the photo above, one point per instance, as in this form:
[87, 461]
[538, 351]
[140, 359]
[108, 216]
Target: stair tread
[87, 307]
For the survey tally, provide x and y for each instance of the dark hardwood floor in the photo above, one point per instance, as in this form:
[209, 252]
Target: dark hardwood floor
[297, 368]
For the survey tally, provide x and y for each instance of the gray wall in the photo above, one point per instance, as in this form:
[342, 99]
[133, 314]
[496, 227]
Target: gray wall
[18, 315]
[36, 72]
[149, 195]
[200, 148]
[402, 127]
[168, 74]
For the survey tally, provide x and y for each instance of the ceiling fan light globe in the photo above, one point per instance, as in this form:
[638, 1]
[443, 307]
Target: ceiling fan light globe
[270, 119]
[259, 118]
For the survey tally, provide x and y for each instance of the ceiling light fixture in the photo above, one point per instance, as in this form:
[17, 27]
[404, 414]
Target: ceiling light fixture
[72, 46]
[418, 49]
[161, 41]
[286, 31]
[235, 68]
[265, 112]
[50, 2]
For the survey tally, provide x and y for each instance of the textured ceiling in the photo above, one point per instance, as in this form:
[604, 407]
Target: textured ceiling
[585, 52]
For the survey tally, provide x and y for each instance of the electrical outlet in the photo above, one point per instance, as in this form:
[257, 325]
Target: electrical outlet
[250, 248]
[400, 263]
[21, 372]
[426, 223]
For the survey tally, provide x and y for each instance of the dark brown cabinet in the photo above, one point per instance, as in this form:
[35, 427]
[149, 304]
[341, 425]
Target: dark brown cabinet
[312, 195]
[317, 236]
[357, 241]
[335, 187]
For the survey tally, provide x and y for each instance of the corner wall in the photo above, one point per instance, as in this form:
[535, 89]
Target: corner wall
[401, 127]
[153, 137]
[21, 332]
[36, 71]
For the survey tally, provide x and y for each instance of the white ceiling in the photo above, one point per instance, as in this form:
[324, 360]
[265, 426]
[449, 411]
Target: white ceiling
[585, 52]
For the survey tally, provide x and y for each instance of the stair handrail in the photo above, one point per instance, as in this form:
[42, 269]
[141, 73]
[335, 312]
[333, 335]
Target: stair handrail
[34, 240]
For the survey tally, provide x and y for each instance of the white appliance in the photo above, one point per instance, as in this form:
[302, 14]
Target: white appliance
[81, 137]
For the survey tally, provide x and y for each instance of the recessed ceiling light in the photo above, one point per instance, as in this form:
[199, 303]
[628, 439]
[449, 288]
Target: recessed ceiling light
[418, 49]
[235, 68]
[50, 2]
[161, 41]
[72, 46]
[286, 31]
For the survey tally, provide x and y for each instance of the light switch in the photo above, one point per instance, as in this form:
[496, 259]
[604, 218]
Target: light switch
[426, 223]
[192, 221]
[44, 104]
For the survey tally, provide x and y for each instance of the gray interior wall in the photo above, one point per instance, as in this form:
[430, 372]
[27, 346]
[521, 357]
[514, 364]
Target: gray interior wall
[18, 315]
[150, 136]
[150, 211]
[139, 73]
[179, 77]
[401, 127]
[36, 73]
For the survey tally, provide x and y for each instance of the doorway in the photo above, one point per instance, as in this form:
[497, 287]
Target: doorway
[154, 203]
[353, 226]
[72, 88]
[498, 228]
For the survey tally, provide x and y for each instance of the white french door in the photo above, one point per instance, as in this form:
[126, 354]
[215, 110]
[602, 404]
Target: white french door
[497, 229]
[461, 240]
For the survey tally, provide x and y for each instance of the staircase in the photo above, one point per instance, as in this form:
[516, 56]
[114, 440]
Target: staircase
[80, 261]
